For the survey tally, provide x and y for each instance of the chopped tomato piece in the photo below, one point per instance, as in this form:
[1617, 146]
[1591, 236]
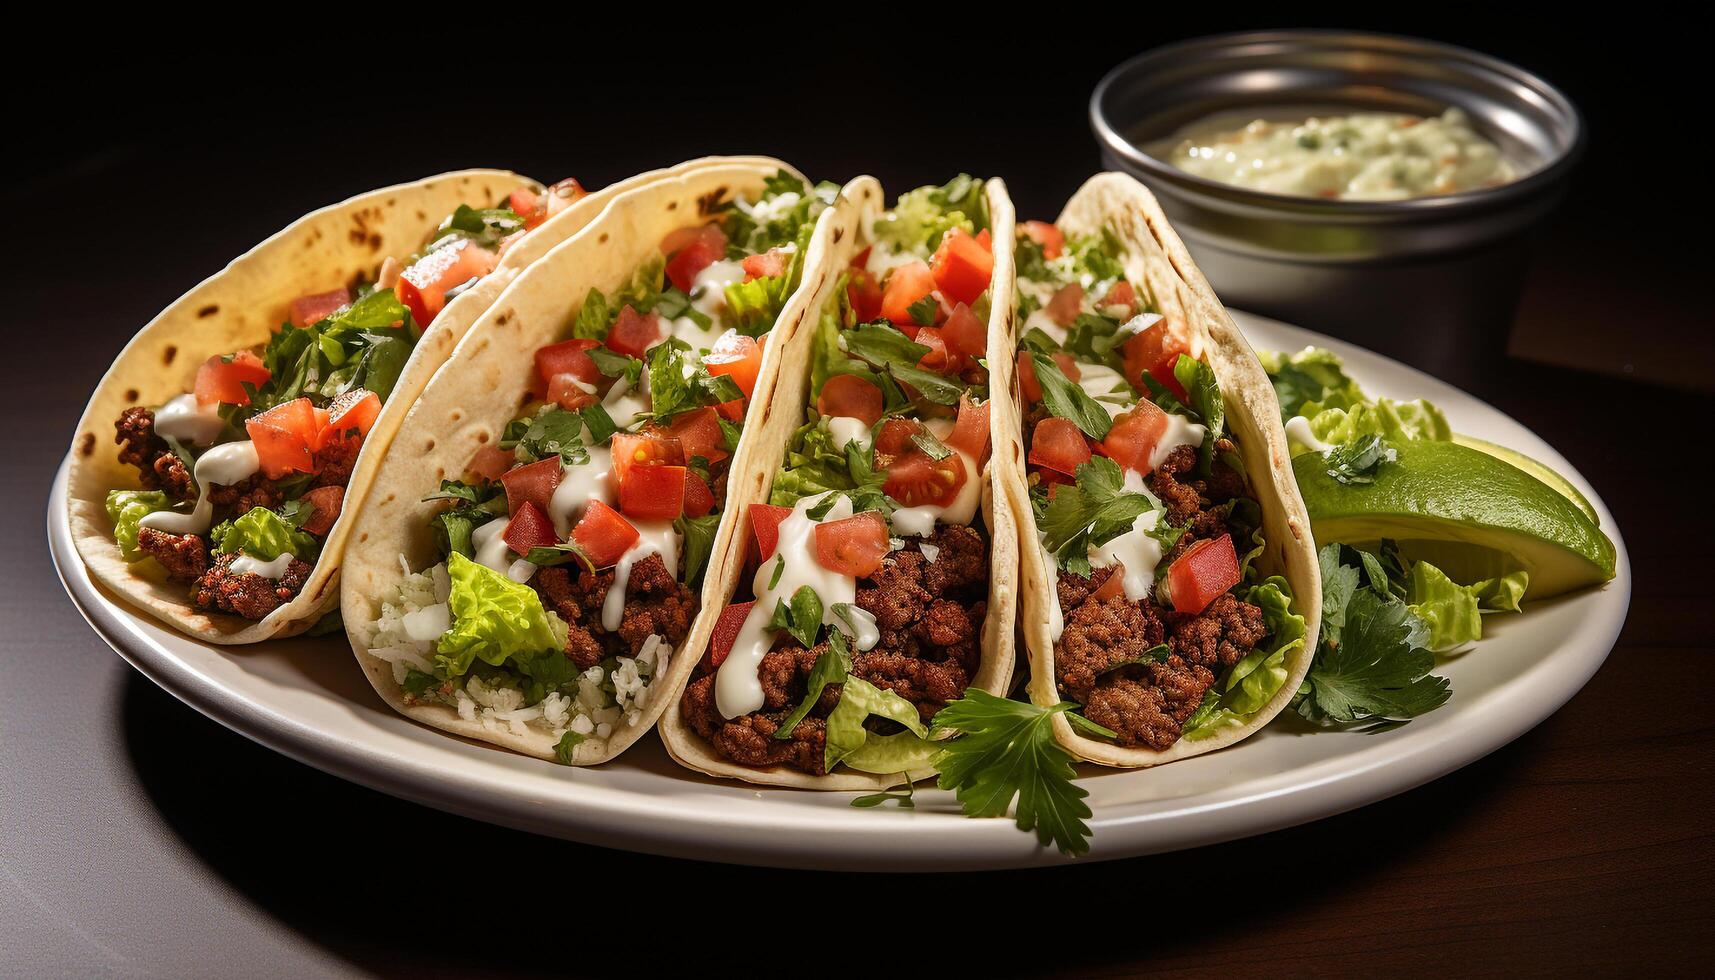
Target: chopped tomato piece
[699, 433]
[939, 359]
[1209, 568]
[1046, 235]
[603, 534]
[1132, 440]
[966, 336]
[648, 448]
[633, 333]
[770, 263]
[1028, 384]
[962, 266]
[971, 432]
[895, 439]
[850, 396]
[222, 380]
[563, 195]
[568, 357]
[529, 205]
[490, 462]
[726, 631]
[327, 502]
[1114, 587]
[1121, 294]
[854, 546]
[356, 409]
[738, 357]
[423, 287]
[732, 411]
[653, 493]
[913, 479]
[1064, 304]
[688, 255]
[317, 307]
[1059, 445]
[568, 392]
[532, 484]
[864, 293]
[1154, 352]
[530, 528]
[286, 437]
[906, 285]
[699, 499]
[765, 526]
[986, 240]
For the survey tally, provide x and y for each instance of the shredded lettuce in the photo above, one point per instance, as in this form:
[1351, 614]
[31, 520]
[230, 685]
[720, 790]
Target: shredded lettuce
[922, 216]
[1454, 612]
[494, 619]
[858, 700]
[263, 534]
[1313, 383]
[126, 509]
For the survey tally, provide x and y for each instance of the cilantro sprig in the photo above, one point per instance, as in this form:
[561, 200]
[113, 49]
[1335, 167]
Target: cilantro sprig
[1094, 510]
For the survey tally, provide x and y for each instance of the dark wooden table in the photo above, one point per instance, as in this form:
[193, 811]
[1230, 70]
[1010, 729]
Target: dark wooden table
[138, 837]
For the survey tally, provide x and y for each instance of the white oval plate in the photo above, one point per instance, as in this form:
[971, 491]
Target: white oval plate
[307, 699]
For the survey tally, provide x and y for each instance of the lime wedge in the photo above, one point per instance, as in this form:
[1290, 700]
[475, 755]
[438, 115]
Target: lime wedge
[1467, 511]
[1541, 471]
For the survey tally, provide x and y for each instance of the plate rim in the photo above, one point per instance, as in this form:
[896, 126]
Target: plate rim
[886, 840]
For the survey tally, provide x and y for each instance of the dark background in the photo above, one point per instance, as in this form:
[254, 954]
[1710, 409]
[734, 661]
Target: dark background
[137, 167]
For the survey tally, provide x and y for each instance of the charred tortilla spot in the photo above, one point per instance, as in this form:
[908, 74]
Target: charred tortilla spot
[504, 318]
[131, 395]
[171, 352]
[603, 238]
[672, 205]
[87, 446]
[429, 446]
[839, 233]
[482, 437]
[208, 311]
[711, 202]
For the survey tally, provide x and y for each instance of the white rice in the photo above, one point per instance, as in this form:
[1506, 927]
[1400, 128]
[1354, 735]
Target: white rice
[602, 702]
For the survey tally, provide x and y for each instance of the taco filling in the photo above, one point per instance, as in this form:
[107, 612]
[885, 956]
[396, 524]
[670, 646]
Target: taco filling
[866, 607]
[1143, 510]
[243, 476]
[574, 548]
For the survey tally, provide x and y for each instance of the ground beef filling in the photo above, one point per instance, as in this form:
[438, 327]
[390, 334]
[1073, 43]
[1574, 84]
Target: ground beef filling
[930, 616]
[249, 595]
[1101, 659]
[158, 467]
[656, 603]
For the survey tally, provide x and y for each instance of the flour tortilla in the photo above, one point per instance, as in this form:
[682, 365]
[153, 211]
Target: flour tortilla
[238, 308]
[482, 388]
[1156, 259]
[841, 234]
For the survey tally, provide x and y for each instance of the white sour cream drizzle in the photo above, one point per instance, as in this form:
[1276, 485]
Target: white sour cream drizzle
[845, 429]
[708, 290]
[1135, 549]
[654, 538]
[246, 565]
[738, 689]
[920, 521]
[226, 464]
[625, 404]
[1298, 430]
[492, 551]
[186, 420]
[578, 486]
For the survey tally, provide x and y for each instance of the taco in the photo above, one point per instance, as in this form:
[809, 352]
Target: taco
[535, 552]
[1169, 579]
[879, 579]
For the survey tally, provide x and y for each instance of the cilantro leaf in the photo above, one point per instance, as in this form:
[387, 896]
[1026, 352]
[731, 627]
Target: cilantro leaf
[566, 746]
[832, 667]
[1376, 670]
[1068, 401]
[1093, 510]
[1358, 461]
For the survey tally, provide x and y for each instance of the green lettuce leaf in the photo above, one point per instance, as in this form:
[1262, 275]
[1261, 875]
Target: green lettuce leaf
[263, 534]
[858, 700]
[1255, 680]
[126, 509]
[1454, 612]
[494, 619]
[921, 216]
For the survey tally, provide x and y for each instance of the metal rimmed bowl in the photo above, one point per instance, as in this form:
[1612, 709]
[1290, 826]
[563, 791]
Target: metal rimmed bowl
[1432, 280]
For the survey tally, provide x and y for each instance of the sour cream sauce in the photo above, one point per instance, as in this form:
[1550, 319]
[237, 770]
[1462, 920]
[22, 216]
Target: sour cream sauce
[186, 420]
[226, 464]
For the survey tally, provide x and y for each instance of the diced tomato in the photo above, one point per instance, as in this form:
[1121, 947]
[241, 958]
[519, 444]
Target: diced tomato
[1209, 568]
[962, 266]
[566, 391]
[732, 411]
[532, 484]
[1132, 440]
[568, 357]
[603, 534]
[286, 437]
[530, 528]
[913, 479]
[699, 499]
[1154, 352]
[938, 359]
[770, 263]
[765, 526]
[490, 462]
[529, 205]
[738, 357]
[1064, 304]
[1028, 384]
[986, 240]
[316, 307]
[356, 409]
[688, 255]
[854, 546]
[971, 432]
[699, 434]
[327, 502]
[1113, 588]
[864, 293]
[966, 336]
[850, 396]
[423, 287]
[1046, 235]
[726, 631]
[653, 493]
[222, 380]
[1059, 445]
[563, 195]
[895, 439]
[634, 333]
[1121, 294]
[906, 285]
[648, 448]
